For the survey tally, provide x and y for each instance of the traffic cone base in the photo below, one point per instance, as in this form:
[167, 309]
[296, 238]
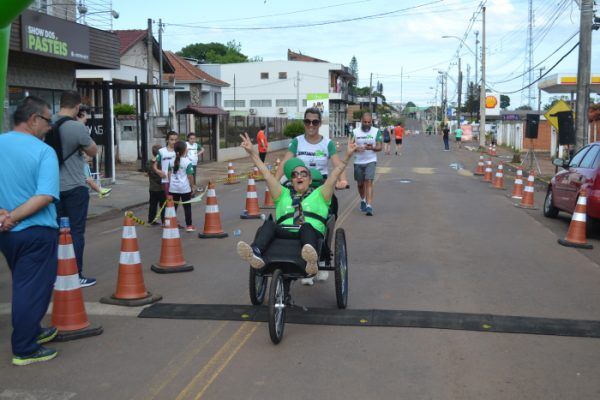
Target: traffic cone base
[565, 242]
[245, 215]
[65, 336]
[149, 299]
[167, 270]
[525, 206]
[212, 216]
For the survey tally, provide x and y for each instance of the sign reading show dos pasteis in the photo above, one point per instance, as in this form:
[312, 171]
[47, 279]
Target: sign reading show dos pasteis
[54, 37]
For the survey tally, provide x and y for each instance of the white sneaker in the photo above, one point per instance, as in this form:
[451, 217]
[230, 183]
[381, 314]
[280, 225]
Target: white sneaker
[322, 276]
[245, 252]
[309, 254]
[307, 281]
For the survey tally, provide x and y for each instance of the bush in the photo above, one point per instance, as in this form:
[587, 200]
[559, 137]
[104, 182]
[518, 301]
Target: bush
[293, 129]
[124, 109]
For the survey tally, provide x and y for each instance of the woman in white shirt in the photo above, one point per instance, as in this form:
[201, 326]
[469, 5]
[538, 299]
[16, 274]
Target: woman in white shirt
[181, 182]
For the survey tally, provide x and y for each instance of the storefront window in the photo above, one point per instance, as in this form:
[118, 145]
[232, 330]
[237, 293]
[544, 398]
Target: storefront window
[17, 94]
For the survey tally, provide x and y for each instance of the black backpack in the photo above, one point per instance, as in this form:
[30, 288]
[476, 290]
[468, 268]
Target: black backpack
[53, 140]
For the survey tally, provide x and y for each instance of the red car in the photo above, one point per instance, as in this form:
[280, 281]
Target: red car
[582, 172]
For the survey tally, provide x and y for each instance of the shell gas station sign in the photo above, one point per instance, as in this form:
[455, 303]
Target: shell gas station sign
[492, 104]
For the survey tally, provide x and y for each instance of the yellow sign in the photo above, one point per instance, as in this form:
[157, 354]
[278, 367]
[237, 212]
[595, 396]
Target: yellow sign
[560, 105]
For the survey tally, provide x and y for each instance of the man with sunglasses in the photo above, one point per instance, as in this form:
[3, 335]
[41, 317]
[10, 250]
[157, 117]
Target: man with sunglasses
[315, 151]
[369, 142]
[299, 205]
[29, 186]
[74, 193]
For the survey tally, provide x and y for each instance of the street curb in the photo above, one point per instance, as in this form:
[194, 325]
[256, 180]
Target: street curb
[114, 212]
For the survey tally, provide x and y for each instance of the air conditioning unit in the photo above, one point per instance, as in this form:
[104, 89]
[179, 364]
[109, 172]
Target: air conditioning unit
[252, 111]
[282, 110]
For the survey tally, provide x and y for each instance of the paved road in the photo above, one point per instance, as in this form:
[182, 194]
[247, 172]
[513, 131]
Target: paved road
[439, 241]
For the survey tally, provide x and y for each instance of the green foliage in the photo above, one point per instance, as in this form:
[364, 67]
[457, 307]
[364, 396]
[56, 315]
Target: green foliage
[216, 53]
[293, 129]
[358, 114]
[472, 103]
[353, 67]
[524, 107]
[124, 109]
[410, 104]
[504, 101]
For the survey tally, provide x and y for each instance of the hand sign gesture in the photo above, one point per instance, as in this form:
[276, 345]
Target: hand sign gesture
[351, 146]
[247, 143]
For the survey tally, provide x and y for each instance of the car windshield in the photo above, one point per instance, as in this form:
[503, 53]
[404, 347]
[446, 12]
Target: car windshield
[578, 157]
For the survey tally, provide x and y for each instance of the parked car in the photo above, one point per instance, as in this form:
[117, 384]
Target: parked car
[581, 172]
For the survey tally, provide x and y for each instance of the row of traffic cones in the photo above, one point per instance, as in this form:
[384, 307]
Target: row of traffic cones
[576, 235]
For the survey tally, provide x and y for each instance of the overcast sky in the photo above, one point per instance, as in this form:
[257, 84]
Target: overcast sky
[386, 36]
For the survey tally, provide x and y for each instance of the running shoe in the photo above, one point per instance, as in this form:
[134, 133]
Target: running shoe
[369, 211]
[307, 281]
[86, 282]
[363, 206]
[190, 228]
[309, 254]
[322, 276]
[248, 254]
[43, 354]
[47, 335]
[104, 192]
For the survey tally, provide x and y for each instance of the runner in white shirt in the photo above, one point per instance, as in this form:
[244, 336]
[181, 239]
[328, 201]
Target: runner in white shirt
[369, 141]
[181, 184]
[165, 156]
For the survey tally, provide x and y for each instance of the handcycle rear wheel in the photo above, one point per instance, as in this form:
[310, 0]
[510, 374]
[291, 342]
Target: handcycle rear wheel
[277, 295]
[258, 287]
[341, 269]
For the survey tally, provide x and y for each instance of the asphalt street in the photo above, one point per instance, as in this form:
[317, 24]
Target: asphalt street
[439, 240]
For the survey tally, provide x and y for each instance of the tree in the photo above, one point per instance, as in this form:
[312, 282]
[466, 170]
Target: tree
[410, 104]
[379, 87]
[472, 103]
[524, 108]
[504, 101]
[216, 53]
[353, 67]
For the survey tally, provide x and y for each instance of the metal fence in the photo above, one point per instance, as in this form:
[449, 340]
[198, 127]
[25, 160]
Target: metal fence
[233, 126]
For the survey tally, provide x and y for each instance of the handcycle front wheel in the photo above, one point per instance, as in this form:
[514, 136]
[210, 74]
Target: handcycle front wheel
[341, 269]
[258, 287]
[277, 295]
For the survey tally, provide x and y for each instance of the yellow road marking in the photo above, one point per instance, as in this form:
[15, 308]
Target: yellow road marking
[465, 172]
[383, 170]
[423, 171]
[218, 362]
[178, 364]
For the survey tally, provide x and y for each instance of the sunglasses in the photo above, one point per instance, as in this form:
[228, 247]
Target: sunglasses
[299, 174]
[48, 120]
[313, 122]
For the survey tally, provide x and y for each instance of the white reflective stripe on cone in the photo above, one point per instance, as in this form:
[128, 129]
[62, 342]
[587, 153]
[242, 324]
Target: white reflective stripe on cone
[230, 171]
[130, 257]
[531, 178]
[211, 193]
[519, 172]
[170, 212]
[129, 232]
[250, 181]
[66, 251]
[68, 282]
[529, 189]
[212, 208]
[251, 195]
[582, 201]
[170, 233]
[579, 217]
[499, 175]
[518, 181]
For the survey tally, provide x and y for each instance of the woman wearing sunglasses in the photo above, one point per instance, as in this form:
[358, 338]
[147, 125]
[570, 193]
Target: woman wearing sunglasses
[300, 205]
[316, 151]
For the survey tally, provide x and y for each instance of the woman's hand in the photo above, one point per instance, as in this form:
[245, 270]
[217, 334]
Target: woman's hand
[352, 147]
[247, 144]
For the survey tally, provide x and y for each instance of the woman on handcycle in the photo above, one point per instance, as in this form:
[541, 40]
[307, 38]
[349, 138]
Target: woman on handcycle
[300, 205]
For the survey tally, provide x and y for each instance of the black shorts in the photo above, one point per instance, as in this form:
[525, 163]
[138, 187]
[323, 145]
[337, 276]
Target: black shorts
[387, 140]
[398, 141]
[458, 139]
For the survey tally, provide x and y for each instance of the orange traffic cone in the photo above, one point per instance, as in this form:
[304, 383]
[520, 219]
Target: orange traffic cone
[487, 177]
[493, 150]
[131, 290]
[231, 178]
[498, 182]
[527, 200]
[251, 211]
[479, 171]
[517, 192]
[212, 216]
[256, 175]
[171, 252]
[68, 310]
[576, 233]
[268, 200]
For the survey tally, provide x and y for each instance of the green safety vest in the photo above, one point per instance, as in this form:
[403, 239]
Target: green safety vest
[314, 209]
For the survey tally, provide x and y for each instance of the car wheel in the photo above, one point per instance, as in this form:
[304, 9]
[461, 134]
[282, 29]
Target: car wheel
[549, 210]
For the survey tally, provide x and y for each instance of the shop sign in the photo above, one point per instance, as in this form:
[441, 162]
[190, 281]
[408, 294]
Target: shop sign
[54, 37]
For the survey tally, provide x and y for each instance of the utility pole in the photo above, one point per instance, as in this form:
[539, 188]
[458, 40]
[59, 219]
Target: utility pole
[150, 75]
[482, 89]
[530, 55]
[401, 83]
[371, 93]
[459, 94]
[476, 56]
[234, 99]
[583, 72]
[298, 92]
[445, 115]
[540, 91]
[160, 66]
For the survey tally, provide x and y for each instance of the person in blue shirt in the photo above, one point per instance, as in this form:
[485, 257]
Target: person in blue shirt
[29, 187]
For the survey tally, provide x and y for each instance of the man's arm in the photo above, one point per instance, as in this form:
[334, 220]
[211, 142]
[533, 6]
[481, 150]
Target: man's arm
[25, 210]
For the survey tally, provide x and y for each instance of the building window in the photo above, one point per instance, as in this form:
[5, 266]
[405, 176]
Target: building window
[264, 75]
[283, 75]
[238, 103]
[285, 103]
[261, 103]
[303, 102]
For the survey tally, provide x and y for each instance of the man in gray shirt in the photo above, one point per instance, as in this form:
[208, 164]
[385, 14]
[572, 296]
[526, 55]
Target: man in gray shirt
[74, 193]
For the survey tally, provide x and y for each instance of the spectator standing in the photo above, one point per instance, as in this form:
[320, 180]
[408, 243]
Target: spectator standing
[28, 227]
[181, 184]
[74, 193]
[165, 157]
[194, 152]
[263, 144]
[398, 133]
[458, 136]
[445, 133]
[157, 193]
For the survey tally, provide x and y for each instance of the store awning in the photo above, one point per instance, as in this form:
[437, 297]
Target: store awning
[206, 111]
[567, 83]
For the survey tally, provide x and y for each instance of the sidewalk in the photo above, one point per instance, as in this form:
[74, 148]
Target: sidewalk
[131, 187]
